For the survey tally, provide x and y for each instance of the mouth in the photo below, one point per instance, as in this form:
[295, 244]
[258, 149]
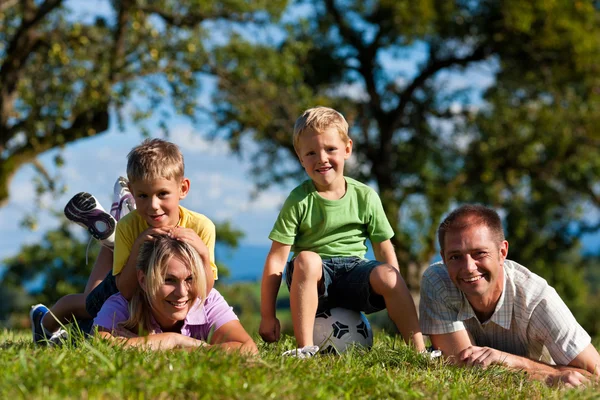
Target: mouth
[324, 170]
[178, 304]
[472, 279]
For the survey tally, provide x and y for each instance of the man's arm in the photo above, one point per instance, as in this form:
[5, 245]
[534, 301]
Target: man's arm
[385, 253]
[271, 280]
[459, 349]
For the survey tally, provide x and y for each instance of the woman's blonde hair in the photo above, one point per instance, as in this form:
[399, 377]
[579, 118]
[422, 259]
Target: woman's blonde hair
[153, 260]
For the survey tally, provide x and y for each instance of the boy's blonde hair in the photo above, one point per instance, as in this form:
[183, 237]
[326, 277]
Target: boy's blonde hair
[153, 260]
[319, 119]
[155, 159]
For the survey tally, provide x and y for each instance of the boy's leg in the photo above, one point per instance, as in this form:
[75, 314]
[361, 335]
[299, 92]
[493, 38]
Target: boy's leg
[102, 266]
[64, 311]
[307, 277]
[387, 282]
[98, 295]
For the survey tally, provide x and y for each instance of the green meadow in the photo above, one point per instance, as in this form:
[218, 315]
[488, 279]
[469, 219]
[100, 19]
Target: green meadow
[93, 369]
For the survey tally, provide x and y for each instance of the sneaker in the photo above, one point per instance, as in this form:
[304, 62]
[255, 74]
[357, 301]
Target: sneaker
[35, 315]
[86, 211]
[58, 338]
[123, 202]
[303, 352]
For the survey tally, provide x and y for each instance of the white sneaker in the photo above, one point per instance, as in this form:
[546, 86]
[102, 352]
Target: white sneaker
[58, 338]
[302, 352]
[86, 211]
[123, 202]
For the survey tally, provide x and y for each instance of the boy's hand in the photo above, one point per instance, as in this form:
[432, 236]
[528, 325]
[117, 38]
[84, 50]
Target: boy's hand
[150, 234]
[190, 236]
[270, 329]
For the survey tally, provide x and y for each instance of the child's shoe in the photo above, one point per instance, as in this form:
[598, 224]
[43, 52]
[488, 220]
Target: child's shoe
[35, 315]
[40, 335]
[303, 352]
[123, 202]
[86, 211]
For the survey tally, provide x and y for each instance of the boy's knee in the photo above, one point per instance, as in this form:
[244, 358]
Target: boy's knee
[308, 263]
[384, 276]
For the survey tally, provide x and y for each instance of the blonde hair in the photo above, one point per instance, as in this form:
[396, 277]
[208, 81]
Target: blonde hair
[155, 159]
[319, 119]
[153, 260]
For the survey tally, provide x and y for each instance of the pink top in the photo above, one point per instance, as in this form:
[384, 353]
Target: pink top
[197, 324]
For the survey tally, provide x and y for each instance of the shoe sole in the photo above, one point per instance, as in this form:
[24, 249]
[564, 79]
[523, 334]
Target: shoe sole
[82, 209]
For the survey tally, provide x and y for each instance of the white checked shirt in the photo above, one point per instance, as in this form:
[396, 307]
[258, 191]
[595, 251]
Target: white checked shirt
[530, 320]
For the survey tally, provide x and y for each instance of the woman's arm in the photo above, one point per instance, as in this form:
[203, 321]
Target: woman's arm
[159, 341]
[232, 335]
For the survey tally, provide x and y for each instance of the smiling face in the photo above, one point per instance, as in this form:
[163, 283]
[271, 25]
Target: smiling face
[175, 296]
[323, 156]
[157, 200]
[475, 263]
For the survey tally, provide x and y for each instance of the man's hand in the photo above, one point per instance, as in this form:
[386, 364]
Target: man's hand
[270, 329]
[475, 356]
[568, 378]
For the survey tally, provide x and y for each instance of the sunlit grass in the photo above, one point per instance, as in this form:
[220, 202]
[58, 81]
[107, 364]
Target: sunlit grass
[93, 369]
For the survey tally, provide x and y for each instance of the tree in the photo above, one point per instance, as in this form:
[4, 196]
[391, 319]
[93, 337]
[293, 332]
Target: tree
[449, 102]
[64, 78]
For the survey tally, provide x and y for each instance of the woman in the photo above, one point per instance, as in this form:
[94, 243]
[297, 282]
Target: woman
[171, 308]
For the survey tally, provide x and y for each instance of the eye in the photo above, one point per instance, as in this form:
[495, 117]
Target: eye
[310, 153]
[142, 196]
[332, 149]
[189, 279]
[170, 280]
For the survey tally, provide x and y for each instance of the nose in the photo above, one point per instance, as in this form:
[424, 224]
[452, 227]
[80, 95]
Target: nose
[470, 264]
[155, 204]
[323, 157]
[181, 289]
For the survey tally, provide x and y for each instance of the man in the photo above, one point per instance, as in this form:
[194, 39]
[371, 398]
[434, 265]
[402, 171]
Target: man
[481, 309]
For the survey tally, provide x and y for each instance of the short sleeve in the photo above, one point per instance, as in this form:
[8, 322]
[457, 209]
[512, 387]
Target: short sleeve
[379, 228]
[286, 226]
[553, 324]
[440, 303]
[123, 244]
[114, 311]
[218, 312]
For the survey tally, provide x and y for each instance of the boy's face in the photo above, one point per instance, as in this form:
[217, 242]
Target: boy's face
[157, 201]
[323, 155]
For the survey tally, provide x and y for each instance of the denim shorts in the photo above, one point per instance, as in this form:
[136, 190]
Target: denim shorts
[346, 284]
[96, 298]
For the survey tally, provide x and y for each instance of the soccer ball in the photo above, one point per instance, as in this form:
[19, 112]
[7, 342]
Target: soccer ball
[338, 329]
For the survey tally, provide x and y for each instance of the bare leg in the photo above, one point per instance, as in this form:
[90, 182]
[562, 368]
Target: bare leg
[73, 305]
[64, 311]
[304, 295]
[103, 264]
[387, 282]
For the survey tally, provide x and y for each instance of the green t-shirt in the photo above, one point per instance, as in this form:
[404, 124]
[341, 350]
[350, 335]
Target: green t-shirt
[332, 228]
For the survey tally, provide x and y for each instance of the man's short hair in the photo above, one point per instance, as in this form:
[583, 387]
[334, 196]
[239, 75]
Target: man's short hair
[319, 119]
[155, 159]
[468, 215]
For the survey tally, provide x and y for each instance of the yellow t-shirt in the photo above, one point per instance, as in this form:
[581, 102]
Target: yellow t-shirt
[132, 225]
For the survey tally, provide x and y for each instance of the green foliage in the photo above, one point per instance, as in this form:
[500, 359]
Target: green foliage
[491, 101]
[65, 78]
[389, 370]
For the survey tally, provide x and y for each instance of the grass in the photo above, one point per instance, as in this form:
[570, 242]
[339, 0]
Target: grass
[93, 369]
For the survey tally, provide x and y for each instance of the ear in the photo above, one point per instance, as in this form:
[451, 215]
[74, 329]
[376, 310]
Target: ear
[184, 189]
[141, 277]
[348, 149]
[503, 251]
[442, 255]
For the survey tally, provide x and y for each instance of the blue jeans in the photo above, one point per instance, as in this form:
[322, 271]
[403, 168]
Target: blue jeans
[96, 298]
[346, 284]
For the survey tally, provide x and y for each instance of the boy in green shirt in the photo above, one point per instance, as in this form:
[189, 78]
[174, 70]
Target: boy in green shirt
[325, 222]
